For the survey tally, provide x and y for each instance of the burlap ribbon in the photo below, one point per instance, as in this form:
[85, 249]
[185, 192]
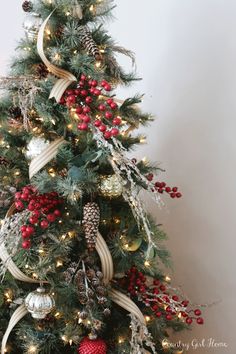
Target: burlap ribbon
[66, 78]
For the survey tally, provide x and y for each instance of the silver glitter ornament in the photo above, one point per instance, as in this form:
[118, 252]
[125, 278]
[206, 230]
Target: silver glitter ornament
[39, 303]
[36, 147]
[110, 186]
[32, 25]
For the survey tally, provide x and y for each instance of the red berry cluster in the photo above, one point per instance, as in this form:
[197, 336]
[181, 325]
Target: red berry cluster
[43, 211]
[161, 187]
[84, 99]
[158, 298]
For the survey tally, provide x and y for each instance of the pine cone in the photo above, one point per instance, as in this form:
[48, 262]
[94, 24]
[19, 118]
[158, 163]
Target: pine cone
[27, 6]
[88, 42]
[3, 161]
[91, 220]
[41, 70]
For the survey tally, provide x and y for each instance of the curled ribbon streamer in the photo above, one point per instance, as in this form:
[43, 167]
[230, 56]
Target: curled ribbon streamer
[66, 78]
[20, 312]
[108, 271]
[46, 156]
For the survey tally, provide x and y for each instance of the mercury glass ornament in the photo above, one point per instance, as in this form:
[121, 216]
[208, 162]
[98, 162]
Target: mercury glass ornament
[130, 245]
[110, 186]
[36, 147]
[32, 25]
[39, 303]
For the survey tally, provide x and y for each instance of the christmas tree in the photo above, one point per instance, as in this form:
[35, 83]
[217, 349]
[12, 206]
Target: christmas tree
[82, 262]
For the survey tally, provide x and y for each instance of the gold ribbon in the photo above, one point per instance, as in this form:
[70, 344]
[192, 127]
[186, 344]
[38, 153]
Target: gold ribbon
[66, 78]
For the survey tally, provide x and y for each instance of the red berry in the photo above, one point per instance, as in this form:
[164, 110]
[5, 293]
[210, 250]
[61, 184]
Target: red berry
[107, 87]
[51, 217]
[19, 205]
[70, 92]
[168, 309]
[94, 83]
[25, 196]
[102, 107]
[108, 115]
[175, 189]
[84, 93]
[175, 298]
[86, 109]
[116, 121]
[158, 185]
[81, 83]
[30, 230]
[158, 314]
[198, 312]
[107, 135]
[97, 123]
[86, 119]
[113, 105]
[114, 131]
[33, 220]
[185, 303]
[97, 92]
[169, 317]
[110, 101]
[71, 99]
[57, 212]
[102, 128]
[23, 228]
[88, 99]
[25, 235]
[18, 195]
[162, 288]
[44, 224]
[189, 320]
[168, 189]
[104, 83]
[156, 282]
[149, 177]
[26, 244]
[178, 195]
[160, 190]
[83, 77]
[79, 110]
[77, 92]
[62, 100]
[173, 195]
[83, 126]
[200, 321]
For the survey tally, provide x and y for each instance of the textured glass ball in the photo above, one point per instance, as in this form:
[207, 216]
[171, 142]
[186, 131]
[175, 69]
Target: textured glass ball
[32, 25]
[39, 303]
[110, 186]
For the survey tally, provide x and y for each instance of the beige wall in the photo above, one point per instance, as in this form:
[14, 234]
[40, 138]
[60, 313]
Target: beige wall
[186, 53]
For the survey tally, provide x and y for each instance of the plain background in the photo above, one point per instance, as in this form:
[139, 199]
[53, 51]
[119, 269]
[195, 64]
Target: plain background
[186, 53]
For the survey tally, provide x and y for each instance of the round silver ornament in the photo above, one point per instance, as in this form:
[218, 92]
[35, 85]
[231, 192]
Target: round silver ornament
[32, 25]
[36, 147]
[39, 303]
[110, 186]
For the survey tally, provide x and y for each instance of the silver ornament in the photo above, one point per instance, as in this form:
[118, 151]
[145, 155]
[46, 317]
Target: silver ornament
[39, 303]
[36, 147]
[110, 186]
[32, 25]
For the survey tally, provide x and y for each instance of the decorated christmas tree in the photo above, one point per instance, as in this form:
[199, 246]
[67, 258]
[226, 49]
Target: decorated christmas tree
[83, 265]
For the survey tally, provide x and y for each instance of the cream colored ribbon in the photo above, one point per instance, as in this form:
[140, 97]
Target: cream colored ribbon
[66, 78]
[46, 156]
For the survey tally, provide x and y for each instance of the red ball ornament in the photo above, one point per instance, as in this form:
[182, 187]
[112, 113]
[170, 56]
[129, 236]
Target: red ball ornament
[79, 110]
[113, 105]
[88, 99]
[102, 107]
[57, 212]
[189, 320]
[89, 346]
[94, 83]
[84, 93]
[107, 87]
[86, 109]
[110, 101]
